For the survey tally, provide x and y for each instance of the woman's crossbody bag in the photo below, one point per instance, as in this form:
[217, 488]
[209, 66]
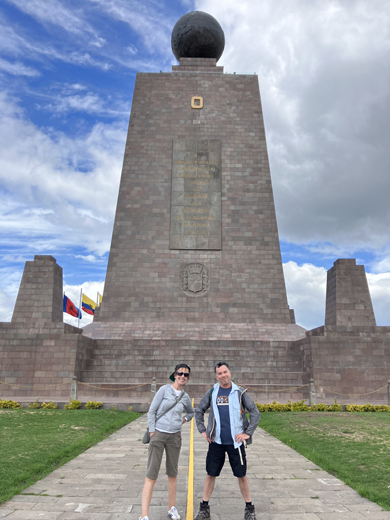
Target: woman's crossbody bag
[146, 437]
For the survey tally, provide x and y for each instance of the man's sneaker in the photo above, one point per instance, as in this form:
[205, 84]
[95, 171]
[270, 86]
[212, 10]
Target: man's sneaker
[173, 513]
[203, 513]
[249, 513]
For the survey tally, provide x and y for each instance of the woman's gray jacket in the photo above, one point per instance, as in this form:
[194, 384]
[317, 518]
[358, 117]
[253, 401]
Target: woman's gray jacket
[172, 421]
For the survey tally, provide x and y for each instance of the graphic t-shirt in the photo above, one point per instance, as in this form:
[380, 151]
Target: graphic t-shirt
[223, 409]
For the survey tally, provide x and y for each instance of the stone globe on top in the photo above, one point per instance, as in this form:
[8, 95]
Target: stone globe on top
[197, 35]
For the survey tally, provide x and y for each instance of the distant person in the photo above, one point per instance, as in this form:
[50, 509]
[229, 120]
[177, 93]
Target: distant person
[165, 434]
[227, 431]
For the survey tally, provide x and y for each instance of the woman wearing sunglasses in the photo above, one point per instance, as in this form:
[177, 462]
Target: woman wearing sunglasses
[165, 419]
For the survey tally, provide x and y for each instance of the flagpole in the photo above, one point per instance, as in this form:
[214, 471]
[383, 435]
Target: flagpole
[81, 295]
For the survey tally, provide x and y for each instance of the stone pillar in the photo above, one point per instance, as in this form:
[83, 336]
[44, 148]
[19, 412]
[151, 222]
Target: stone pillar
[40, 293]
[388, 392]
[153, 389]
[73, 389]
[348, 300]
[312, 393]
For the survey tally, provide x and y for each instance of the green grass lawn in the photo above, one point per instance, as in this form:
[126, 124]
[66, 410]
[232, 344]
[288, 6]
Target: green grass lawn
[355, 447]
[35, 442]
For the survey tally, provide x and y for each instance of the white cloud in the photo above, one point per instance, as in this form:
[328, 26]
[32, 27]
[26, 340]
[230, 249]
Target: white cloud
[323, 70]
[77, 98]
[382, 266]
[17, 69]
[14, 44]
[306, 292]
[88, 258]
[147, 20]
[131, 49]
[55, 13]
[10, 278]
[49, 196]
[379, 285]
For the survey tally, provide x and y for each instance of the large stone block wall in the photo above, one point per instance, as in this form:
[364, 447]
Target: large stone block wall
[351, 361]
[44, 357]
[245, 277]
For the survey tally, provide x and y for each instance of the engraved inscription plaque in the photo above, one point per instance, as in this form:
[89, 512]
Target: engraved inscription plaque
[196, 195]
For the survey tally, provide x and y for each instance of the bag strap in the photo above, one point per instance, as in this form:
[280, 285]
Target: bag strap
[211, 392]
[170, 408]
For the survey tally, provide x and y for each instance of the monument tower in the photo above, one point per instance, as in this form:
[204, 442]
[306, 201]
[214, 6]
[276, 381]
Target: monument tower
[195, 235]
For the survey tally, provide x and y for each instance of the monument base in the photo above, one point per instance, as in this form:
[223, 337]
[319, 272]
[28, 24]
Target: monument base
[117, 360]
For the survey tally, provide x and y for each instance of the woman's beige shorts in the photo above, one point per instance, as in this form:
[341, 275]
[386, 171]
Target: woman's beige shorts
[171, 442]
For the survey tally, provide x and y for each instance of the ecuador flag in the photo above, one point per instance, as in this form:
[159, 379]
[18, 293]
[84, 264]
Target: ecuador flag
[70, 308]
[88, 305]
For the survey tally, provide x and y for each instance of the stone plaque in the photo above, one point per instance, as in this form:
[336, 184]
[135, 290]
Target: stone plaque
[194, 279]
[196, 195]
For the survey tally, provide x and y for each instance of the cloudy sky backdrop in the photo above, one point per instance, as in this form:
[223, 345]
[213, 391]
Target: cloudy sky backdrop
[67, 72]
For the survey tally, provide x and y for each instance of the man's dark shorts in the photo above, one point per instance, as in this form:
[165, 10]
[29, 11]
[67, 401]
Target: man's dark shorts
[216, 458]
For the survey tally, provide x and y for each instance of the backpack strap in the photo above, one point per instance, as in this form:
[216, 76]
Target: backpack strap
[211, 391]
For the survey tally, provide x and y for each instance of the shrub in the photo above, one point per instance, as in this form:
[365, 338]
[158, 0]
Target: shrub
[335, 407]
[49, 406]
[93, 405]
[4, 403]
[320, 407]
[299, 406]
[36, 404]
[381, 408]
[74, 405]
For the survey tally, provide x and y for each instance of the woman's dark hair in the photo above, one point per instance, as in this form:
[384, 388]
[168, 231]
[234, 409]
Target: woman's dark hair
[182, 365]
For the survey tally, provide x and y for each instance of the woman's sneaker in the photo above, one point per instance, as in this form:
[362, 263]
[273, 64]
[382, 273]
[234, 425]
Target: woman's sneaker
[144, 518]
[173, 513]
[203, 513]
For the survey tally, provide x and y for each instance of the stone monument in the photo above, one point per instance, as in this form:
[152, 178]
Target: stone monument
[195, 237]
[195, 271]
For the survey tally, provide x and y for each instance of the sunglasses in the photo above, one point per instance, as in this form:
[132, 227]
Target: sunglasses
[185, 374]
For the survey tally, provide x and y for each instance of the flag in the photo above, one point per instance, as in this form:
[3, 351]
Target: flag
[71, 308]
[88, 305]
[100, 298]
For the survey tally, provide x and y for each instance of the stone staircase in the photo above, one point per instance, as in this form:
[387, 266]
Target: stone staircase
[264, 367]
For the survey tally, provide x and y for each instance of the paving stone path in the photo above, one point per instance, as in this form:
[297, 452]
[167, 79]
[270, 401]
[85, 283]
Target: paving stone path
[105, 483]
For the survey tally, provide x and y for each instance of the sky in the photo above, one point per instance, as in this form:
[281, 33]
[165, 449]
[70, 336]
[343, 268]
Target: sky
[67, 72]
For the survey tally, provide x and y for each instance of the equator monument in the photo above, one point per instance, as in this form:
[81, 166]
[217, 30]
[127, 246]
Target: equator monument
[195, 271]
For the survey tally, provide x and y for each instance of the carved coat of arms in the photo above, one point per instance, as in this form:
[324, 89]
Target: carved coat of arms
[194, 279]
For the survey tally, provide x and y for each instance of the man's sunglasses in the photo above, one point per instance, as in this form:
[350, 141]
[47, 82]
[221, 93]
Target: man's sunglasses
[185, 374]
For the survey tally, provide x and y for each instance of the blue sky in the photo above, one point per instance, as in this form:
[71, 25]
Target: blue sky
[67, 71]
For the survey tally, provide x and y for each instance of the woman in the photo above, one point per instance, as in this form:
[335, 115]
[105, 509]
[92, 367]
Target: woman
[165, 434]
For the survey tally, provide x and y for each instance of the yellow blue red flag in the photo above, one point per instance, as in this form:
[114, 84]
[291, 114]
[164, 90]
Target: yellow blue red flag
[88, 305]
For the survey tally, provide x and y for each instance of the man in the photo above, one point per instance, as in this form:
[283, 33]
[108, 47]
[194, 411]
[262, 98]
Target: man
[227, 431]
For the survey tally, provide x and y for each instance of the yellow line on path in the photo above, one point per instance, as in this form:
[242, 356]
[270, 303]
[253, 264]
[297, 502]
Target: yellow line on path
[190, 490]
